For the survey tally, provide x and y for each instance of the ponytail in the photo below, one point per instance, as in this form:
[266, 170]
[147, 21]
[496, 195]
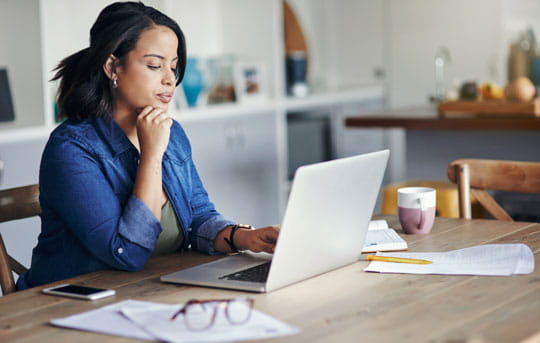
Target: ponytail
[82, 91]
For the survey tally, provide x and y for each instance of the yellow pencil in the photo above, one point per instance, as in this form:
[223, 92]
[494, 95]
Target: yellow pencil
[397, 259]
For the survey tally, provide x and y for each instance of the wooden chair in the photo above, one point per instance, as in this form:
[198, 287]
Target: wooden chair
[15, 203]
[475, 176]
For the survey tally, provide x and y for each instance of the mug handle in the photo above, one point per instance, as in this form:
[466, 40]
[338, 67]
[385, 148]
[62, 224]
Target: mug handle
[423, 209]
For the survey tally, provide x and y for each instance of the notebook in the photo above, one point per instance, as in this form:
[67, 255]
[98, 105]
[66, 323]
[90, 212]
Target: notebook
[380, 237]
[324, 228]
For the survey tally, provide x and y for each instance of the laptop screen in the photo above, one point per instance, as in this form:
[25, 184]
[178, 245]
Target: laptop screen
[6, 104]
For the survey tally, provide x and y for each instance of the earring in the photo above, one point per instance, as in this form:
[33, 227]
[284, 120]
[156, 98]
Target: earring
[114, 83]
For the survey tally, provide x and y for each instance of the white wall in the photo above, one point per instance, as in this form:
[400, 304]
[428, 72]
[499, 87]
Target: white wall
[344, 38]
[477, 33]
[471, 30]
[200, 22]
[361, 52]
[521, 13]
[19, 27]
[517, 16]
[66, 30]
[66, 26]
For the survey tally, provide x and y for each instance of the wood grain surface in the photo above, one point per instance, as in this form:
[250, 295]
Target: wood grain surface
[436, 123]
[490, 108]
[344, 305]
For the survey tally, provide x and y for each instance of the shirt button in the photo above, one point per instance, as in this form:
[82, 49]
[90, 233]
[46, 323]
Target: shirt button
[120, 251]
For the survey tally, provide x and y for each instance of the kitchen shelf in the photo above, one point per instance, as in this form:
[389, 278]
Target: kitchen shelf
[222, 111]
[438, 123]
[24, 134]
[288, 104]
[366, 92]
[220, 29]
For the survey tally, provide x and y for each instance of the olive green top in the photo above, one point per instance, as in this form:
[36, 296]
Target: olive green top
[171, 237]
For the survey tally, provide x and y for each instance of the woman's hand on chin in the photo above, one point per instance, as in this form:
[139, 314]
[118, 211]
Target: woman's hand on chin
[153, 131]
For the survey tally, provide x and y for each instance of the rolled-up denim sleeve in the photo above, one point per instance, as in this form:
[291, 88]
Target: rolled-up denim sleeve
[74, 185]
[204, 235]
[207, 222]
[137, 215]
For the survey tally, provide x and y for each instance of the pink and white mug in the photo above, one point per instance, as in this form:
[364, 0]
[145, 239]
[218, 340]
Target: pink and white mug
[416, 209]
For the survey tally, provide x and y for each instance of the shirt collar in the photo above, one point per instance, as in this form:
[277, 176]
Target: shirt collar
[113, 135]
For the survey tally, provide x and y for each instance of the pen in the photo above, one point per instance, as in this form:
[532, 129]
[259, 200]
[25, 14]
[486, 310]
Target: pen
[397, 259]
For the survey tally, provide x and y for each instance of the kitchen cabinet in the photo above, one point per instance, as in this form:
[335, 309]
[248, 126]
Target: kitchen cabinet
[236, 157]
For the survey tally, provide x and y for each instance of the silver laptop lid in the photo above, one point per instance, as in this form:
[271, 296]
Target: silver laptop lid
[327, 216]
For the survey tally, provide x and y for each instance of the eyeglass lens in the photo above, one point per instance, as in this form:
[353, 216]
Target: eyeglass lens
[202, 315]
[239, 311]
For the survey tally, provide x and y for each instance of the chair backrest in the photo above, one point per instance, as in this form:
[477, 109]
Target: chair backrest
[475, 176]
[15, 203]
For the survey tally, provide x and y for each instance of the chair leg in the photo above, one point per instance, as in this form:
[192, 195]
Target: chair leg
[491, 205]
[6, 276]
[462, 173]
[17, 267]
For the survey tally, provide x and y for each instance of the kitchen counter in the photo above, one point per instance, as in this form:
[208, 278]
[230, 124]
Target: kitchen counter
[426, 118]
[426, 142]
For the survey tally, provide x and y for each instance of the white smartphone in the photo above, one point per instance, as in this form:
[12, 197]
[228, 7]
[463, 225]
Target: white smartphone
[79, 292]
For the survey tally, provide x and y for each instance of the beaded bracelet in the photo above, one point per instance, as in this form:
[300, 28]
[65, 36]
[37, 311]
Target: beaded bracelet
[230, 241]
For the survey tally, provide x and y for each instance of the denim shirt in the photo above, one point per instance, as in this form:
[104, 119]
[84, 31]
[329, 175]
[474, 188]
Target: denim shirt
[90, 218]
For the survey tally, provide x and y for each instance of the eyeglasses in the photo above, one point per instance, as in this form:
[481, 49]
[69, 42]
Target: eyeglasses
[201, 314]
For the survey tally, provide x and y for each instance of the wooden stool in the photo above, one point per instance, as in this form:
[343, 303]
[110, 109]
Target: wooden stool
[447, 198]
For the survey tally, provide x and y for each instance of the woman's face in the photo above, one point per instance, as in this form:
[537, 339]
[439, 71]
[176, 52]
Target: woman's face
[148, 77]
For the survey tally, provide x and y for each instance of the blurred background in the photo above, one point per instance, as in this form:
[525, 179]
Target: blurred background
[269, 85]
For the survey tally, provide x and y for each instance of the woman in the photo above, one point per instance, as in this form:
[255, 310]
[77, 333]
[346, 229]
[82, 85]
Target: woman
[117, 181]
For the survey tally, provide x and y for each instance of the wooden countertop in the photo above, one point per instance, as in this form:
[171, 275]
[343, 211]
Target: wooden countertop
[426, 118]
[344, 305]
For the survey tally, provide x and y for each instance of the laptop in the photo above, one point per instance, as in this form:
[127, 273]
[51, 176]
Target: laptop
[324, 228]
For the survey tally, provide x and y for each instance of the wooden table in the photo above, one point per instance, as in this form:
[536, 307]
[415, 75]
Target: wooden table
[426, 118]
[422, 143]
[345, 305]
[437, 123]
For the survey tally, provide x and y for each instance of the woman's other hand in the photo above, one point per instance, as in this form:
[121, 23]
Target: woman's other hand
[153, 131]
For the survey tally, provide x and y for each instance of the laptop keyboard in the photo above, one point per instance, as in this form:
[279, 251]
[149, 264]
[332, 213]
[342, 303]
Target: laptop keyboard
[258, 273]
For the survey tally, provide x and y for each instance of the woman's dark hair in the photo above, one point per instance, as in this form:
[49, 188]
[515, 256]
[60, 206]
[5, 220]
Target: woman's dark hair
[85, 91]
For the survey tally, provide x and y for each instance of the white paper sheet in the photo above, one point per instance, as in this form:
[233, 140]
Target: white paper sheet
[383, 240]
[156, 321]
[107, 319]
[380, 237]
[487, 260]
[378, 224]
[150, 321]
